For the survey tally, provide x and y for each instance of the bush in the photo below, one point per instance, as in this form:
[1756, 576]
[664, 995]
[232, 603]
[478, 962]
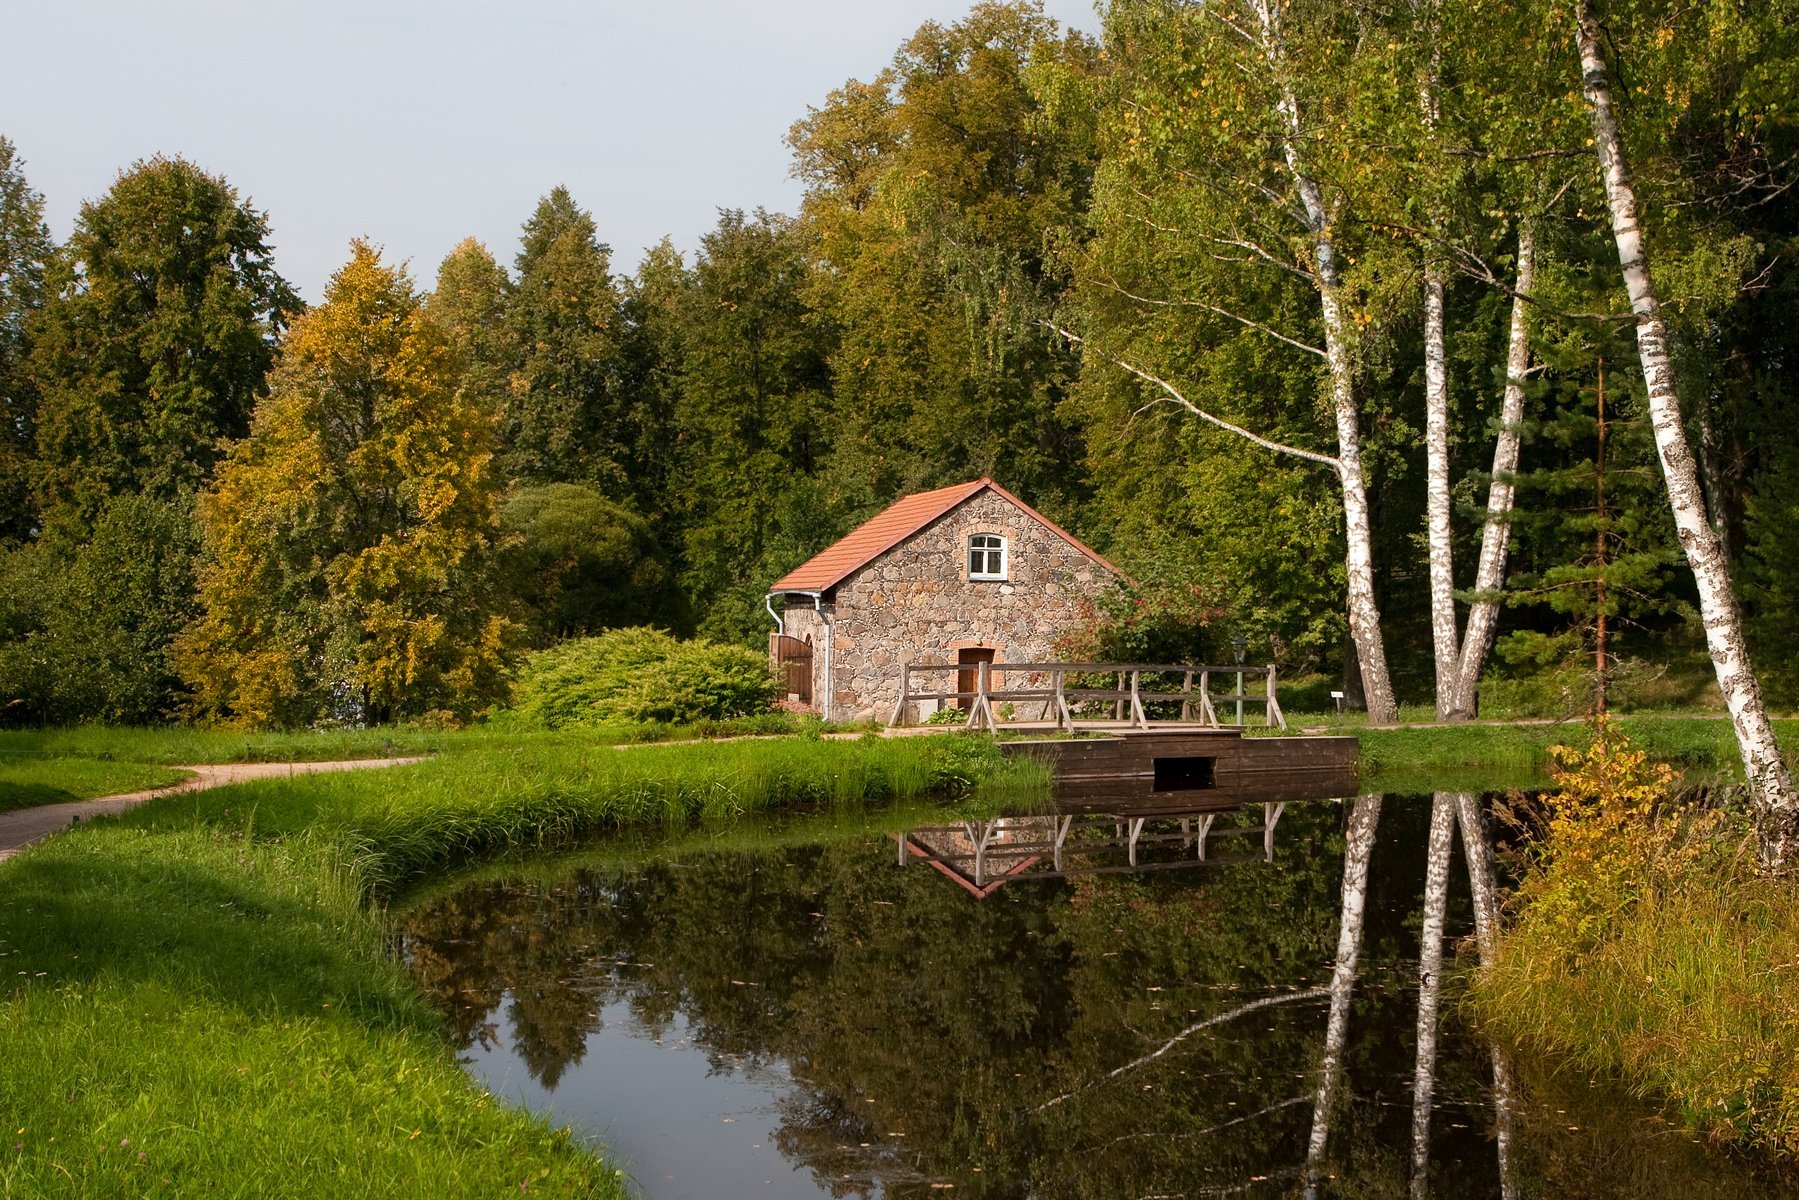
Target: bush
[631, 676]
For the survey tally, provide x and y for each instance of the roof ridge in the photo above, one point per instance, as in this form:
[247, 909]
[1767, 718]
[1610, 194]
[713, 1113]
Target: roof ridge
[897, 522]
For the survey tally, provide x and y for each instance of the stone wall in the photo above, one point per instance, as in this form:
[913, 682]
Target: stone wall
[915, 603]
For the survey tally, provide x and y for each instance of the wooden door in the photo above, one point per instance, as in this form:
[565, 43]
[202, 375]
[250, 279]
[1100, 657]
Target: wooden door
[968, 674]
[793, 666]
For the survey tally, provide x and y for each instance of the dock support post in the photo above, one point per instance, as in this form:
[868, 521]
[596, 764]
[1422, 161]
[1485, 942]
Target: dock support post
[1139, 718]
[1271, 815]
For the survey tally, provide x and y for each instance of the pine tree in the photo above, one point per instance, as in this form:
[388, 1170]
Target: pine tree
[565, 421]
[469, 305]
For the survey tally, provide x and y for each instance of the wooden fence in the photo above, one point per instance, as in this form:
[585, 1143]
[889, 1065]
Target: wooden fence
[1085, 695]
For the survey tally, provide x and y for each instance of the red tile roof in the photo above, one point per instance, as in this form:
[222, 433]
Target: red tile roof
[893, 525]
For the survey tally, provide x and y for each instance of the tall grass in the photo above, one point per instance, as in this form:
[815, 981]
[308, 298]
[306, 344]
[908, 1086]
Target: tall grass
[195, 1013]
[1647, 947]
[550, 791]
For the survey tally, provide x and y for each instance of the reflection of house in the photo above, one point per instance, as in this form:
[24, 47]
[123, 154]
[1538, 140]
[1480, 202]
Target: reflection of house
[965, 574]
[982, 855]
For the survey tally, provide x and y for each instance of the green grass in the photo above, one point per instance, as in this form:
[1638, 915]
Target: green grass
[1496, 757]
[26, 782]
[203, 982]
[198, 1013]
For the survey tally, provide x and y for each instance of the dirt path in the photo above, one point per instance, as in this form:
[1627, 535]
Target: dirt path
[22, 827]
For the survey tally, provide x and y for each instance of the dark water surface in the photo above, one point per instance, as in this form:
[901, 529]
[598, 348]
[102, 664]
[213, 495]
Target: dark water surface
[1209, 1003]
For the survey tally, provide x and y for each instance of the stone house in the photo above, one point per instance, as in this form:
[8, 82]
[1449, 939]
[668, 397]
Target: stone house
[964, 574]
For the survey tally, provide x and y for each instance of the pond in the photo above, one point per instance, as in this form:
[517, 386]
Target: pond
[1110, 1001]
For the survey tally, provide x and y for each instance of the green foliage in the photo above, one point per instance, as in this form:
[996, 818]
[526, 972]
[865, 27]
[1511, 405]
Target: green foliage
[88, 625]
[1152, 623]
[936, 193]
[159, 324]
[25, 247]
[638, 675]
[564, 419]
[349, 539]
[580, 563]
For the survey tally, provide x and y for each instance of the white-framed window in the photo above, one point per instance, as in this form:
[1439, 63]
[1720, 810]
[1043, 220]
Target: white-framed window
[986, 556]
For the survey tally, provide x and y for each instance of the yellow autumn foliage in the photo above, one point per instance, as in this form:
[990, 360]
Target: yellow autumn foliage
[348, 538]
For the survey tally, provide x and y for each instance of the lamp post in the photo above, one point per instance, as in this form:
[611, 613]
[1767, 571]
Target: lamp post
[1240, 645]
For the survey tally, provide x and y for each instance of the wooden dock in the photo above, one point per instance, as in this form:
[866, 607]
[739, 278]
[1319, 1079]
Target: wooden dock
[1184, 768]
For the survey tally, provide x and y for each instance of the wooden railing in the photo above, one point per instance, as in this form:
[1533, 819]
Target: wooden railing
[1065, 695]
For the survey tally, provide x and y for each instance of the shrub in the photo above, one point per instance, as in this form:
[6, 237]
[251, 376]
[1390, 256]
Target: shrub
[698, 681]
[636, 675]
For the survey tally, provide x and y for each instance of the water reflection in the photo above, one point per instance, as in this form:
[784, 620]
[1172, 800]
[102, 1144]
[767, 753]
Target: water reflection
[817, 1020]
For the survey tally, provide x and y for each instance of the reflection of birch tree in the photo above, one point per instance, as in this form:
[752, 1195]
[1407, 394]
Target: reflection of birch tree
[1364, 819]
[1483, 886]
[1430, 979]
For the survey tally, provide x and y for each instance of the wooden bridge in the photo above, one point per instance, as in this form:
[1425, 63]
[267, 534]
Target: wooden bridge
[1084, 696]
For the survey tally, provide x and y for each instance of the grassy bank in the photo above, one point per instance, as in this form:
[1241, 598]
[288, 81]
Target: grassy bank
[1502, 757]
[50, 766]
[28, 782]
[200, 992]
[1645, 947]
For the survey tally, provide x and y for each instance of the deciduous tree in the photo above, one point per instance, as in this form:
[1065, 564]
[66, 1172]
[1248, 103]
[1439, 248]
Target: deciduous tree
[349, 538]
[151, 349]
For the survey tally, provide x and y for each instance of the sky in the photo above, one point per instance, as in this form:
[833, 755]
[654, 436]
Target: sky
[418, 124]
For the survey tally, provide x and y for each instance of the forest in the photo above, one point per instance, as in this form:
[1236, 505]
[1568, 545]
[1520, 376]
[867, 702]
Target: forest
[1311, 318]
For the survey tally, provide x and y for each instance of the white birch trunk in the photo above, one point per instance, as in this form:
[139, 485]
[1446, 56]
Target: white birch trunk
[1496, 534]
[1445, 637]
[1364, 820]
[1430, 983]
[1770, 783]
[1364, 613]
[1438, 531]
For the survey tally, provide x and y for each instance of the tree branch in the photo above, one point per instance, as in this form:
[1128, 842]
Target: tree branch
[1171, 1043]
[1175, 395]
[1213, 308]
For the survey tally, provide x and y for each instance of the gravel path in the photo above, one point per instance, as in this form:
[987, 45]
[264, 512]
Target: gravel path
[22, 827]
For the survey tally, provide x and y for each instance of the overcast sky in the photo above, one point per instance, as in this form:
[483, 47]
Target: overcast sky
[418, 124]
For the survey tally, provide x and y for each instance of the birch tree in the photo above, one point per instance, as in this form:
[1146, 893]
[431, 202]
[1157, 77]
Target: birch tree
[1770, 783]
[1229, 114]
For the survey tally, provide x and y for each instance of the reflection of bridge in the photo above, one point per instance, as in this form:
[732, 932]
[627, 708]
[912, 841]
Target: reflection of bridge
[982, 855]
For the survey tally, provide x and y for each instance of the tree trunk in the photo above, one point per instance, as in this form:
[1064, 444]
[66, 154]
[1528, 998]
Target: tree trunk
[1438, 528]
[1364, 613]
[1495, 538]
[1770, 783]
